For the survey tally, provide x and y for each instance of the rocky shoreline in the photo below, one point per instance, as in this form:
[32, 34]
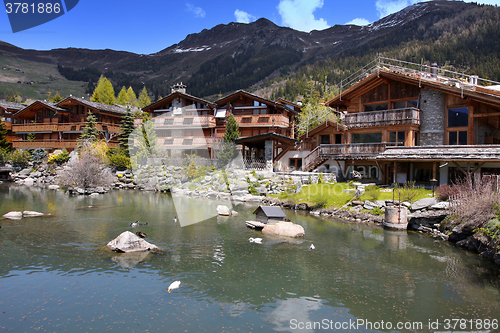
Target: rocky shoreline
[425, 216]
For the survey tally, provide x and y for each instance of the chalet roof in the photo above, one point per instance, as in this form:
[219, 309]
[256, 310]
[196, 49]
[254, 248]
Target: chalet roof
[223, 101]
[39, 103]
[442, 153]
[321, 127]
[421, 79]
[11, 105]
[95, 105]
[271, 211]
[266, 136]
[174, 95]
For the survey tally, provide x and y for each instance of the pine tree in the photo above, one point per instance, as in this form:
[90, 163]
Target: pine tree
[104, 92]
[228, 151]
[143, 98]
[4, 144]
[131, 97]
[89, 132]
[122, 98]
[126, 128]
[57, 98]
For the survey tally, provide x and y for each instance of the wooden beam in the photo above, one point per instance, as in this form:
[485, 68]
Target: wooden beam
[340, 167]
[379, 168]
[458, 166]
[480, 115]
[479, 167]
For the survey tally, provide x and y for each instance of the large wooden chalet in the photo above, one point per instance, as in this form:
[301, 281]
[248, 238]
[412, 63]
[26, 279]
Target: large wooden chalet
[400, 124]
[188, 124]
[7, 111]
[58, 125]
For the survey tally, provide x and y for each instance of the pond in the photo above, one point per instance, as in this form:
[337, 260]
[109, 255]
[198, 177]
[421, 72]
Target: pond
[57, 275]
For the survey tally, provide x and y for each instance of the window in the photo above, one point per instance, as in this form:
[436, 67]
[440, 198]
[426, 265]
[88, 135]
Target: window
[188, 121]
[458, 117]
[405, 104]
[458, 138]
[376, 107]
[398, 137]
[366, 137]
[325, 139]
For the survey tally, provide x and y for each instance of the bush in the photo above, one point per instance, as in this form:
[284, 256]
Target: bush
[372, 192]
[38, 155]
[20, 158]
[444, 191]
[120, 161]
[4, 155]
[409, 192]
[321, 203]
[191, 173]
[60, 158]
[377, 211]
[88, 171]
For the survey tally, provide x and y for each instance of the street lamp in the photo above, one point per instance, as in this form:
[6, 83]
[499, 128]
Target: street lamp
[433, 181]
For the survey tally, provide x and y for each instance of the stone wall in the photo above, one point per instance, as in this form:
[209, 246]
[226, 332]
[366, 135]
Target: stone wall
[432, 104]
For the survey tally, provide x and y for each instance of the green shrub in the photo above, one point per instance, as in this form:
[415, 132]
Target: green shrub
[321, 180]
[4, 155]
[120, 161]
[191, 173]
[321, 203]
[20, 158]
[409, 192]
[377, 211]
[38, 155]
[60, 158]
[372, 192]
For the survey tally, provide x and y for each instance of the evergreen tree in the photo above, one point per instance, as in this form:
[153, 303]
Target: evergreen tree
[146, 144]
[228, 151]
[126, 128]
[122, 98]
[4, 144]
[104, 92]
[89, 133]
[143, 98]
[57, 98]
[132, 98]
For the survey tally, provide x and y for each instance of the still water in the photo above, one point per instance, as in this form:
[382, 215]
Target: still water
[57, 275]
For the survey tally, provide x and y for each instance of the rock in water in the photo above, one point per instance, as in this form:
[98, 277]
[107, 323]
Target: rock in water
[129, 242]
[287, 229]
[29, 213]
[223, 210]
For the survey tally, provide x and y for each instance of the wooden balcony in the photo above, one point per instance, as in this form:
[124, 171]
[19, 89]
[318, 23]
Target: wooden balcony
[7, 125]
[263, 120]
[62, 127]
[184, 121]
[351, 151]
[51, 144]
[408, 116]
[188, 142]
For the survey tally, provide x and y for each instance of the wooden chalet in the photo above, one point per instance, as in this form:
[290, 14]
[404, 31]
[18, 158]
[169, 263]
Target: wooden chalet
[7, 111]
[266, 127]
[58, 125]
[184, 123]
[410, 123]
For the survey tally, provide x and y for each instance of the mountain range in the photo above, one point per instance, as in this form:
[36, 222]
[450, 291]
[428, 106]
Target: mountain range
[248, 56]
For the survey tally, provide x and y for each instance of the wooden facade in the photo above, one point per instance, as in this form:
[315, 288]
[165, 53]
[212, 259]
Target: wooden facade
[7, 111]
[58, 125]
[188, 124]
[392, 108]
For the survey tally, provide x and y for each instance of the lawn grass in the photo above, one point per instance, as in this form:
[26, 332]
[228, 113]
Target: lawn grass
[333, 195]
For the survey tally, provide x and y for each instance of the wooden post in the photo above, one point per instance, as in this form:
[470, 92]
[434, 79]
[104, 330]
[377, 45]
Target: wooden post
[395, 175]
[434, 170]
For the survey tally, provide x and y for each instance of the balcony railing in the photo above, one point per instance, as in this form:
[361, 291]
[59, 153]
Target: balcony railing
[62, 127]
[264, 120]
[355, 151]
[7, 125]
[186, 142]
[184, 121]
[407, 116]
[51, 144]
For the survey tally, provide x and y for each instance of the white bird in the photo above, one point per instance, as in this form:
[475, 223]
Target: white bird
[175, 219]
[174, 285]
[255, 240]
[312, 247]
[134, 224]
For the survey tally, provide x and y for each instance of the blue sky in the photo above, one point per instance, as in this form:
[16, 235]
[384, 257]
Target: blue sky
[149, 26]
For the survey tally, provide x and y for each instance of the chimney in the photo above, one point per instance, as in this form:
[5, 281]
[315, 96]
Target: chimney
[473, 79]
[178, 87]
[434, 70]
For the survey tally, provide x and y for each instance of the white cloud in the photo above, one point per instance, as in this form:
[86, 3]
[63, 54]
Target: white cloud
[359, 21]
[197, 11]
[386, 7]
[298, 14]
[243, 17]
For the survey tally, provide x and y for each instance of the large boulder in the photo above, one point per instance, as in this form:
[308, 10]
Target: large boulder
[130, 242]
[423, 203]
[287, 229]
[223, 210]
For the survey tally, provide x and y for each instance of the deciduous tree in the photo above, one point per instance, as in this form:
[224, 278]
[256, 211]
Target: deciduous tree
[104, 92]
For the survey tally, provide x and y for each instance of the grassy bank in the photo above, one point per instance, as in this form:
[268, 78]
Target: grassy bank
[334, 195]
